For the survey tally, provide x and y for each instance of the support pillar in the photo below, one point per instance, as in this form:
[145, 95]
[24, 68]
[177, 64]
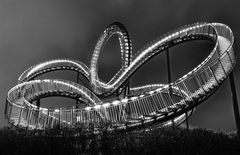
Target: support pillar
[77, 101]
[127, 90]
[38, 103]
[169, 76]
[235, 103]
[168, 66]
[187, 125]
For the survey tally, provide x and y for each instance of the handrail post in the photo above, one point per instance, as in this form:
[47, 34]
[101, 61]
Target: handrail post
[212, 72]
[198, 81]
[222, 67]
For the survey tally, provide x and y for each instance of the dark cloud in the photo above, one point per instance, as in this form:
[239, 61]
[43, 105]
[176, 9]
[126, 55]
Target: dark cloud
[35, 31]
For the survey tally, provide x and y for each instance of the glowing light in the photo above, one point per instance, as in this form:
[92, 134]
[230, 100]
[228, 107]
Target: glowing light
[106, 105]
[97, 106]
[124, 100]
[151, 92]
[56, 110]
[88, 108]
[134, 98]
[116, 102]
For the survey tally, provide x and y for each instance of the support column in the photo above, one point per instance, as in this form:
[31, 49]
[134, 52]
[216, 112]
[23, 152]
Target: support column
[77, 101]
[38, 103]
[168, 66]
[187, 125]
[235, 103]
[127, 89]
[169, 76]
[59, 117]
[124, 111]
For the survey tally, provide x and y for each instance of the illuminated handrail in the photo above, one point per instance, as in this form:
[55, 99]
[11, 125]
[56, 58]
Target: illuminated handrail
[154, 48]
[58, 64]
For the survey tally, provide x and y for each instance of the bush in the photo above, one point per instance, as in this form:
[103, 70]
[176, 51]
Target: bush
[146, 141]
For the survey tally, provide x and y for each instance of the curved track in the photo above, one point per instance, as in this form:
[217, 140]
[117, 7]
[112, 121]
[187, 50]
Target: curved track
[145, 105]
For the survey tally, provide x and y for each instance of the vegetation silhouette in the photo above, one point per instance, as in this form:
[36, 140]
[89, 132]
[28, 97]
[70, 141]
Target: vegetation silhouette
[154, 140]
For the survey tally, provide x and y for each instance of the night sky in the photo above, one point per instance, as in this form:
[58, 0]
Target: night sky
[35, 31]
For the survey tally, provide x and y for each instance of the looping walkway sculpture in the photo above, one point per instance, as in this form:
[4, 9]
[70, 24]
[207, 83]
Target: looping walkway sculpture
[144, 105]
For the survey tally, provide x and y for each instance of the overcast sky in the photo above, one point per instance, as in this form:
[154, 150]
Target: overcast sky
[35, 31]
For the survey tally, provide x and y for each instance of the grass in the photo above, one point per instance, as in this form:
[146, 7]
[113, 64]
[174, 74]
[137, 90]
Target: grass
[151, 141]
